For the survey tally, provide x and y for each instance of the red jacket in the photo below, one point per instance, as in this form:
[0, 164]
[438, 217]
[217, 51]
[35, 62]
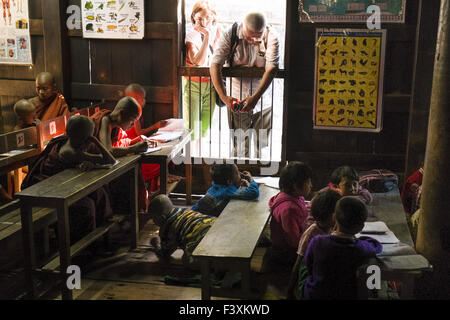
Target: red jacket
[288, 221]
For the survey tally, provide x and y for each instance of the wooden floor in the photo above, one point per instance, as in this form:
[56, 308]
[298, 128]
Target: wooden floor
[116, 273]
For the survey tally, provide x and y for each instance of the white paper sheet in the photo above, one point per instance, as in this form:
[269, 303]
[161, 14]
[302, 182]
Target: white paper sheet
[150, 150]
[272, 182]
[166, 136]
[388, 237]
[377, 227]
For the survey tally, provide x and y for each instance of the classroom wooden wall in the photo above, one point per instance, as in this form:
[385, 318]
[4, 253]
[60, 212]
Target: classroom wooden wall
[17, 82]
[101, 69]
[90, 71]
[325, 150]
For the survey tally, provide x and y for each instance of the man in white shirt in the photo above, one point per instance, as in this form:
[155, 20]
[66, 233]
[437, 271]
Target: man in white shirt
[257, 46]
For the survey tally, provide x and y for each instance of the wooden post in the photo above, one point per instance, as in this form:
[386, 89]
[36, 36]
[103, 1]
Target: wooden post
[433, 240]
[421, 92]
[53, 59]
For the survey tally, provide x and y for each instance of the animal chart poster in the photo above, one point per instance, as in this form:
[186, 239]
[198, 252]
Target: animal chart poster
[113, 19]
[15, 46]
[348, 88]
[392, 11]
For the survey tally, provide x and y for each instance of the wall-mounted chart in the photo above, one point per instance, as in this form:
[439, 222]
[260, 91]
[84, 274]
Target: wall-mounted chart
[348, 87]
[113, 19]
[391, 11]
[15, 46]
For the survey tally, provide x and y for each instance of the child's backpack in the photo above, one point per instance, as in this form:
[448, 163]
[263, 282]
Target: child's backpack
[378, 180]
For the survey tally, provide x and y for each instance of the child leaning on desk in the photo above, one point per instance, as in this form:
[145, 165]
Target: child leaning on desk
[78, 148]
[228, 183]
[332, 260]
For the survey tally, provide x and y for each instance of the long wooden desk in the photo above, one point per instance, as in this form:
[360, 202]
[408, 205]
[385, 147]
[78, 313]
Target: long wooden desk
[59, 192]
[231, 241]
[169, 151]
[387, 207]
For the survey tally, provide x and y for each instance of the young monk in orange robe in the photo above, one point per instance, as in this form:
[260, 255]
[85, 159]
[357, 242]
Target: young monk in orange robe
[49, 103]
[150, 172]
[110, 127]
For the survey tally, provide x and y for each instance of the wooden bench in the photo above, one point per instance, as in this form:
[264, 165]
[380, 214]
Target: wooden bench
[11, 228]
[59, 192]
[231, 242]
[17, 149]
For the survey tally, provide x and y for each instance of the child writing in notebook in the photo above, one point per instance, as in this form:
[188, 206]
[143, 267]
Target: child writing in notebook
[228, 183]
[322, 210]
[289, 211]
[332, 260]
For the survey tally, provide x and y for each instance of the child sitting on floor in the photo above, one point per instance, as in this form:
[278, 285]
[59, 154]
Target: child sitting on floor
[289, 212]
[345, 180]
[228, 183]
[322, 210]
[332, 260]
[26, 114]
[179, 228]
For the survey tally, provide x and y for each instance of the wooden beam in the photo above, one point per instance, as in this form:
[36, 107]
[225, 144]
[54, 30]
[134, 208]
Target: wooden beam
[227, 72]
[109, 92]
[360, 161]
[425, 51]
[153, 30]
[392, 102]
[17, 88]
[53, 58]
[36, 27]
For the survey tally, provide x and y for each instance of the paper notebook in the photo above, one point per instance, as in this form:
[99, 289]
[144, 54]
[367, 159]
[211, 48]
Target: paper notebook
[152, 149]
[166, 136]
[272, 182]
[378, 231]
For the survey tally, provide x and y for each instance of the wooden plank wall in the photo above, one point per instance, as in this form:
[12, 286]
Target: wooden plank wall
[22, 76]
[326, 150]
[101, 69]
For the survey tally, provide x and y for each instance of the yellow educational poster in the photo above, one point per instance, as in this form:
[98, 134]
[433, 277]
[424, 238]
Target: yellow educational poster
[349, 79]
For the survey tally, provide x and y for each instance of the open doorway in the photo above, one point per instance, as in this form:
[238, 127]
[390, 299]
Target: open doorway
[215, 140]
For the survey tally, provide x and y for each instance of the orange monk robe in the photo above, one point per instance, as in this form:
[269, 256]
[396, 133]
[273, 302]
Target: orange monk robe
[56, 108]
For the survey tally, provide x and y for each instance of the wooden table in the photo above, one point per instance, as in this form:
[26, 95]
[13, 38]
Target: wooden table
[59, 192]
[387, 207]
[170, 151]
[232, 239]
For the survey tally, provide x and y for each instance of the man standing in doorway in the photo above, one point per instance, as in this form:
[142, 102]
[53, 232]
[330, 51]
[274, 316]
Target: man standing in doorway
[248, 44]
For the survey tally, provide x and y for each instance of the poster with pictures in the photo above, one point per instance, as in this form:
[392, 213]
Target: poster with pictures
[348, 87]
[113, 19]
[15, 46]
[391, 11]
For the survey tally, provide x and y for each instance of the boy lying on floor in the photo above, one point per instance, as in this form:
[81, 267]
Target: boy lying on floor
[179, 228]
